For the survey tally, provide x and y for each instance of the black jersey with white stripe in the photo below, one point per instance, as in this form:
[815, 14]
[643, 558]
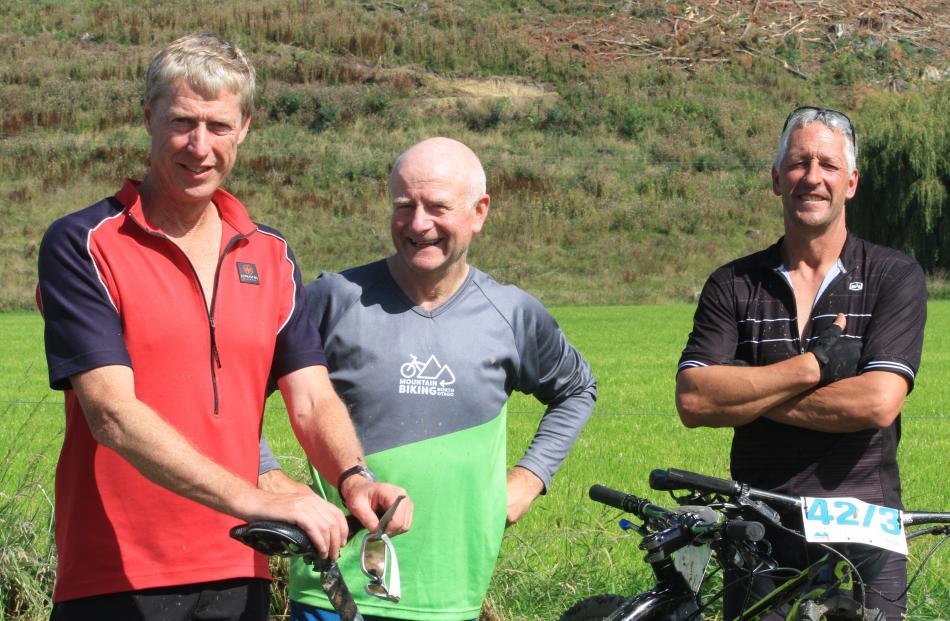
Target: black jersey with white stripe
[747, 313]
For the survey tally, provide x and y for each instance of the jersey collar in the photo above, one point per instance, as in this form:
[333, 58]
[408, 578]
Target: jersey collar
[230, 208]
[848, 259]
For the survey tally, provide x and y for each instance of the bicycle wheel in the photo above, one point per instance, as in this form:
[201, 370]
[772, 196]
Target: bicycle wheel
[594, 608]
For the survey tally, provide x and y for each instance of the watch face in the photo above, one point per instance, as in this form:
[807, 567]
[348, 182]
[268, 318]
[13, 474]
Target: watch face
[366, 472]
[359, 469]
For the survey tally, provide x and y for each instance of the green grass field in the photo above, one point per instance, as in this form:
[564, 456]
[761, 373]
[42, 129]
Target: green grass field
[567, 547]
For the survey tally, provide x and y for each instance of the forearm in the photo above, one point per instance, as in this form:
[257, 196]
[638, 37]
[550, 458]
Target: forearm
[153, 447]
[277, 482]
[523, 487]
[559, 428]
[731, 396]
[321, 422]
[869, 401]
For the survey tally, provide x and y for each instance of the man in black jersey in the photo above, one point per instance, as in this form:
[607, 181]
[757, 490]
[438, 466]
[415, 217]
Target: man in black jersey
[809, 347]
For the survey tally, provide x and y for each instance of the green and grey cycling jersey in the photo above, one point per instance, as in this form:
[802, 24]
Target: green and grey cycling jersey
[427, 394]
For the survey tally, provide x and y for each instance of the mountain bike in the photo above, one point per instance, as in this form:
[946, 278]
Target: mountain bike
[721, 523]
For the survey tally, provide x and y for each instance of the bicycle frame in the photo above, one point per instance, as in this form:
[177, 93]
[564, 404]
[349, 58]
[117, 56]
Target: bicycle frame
[822, 588]
[800, 590]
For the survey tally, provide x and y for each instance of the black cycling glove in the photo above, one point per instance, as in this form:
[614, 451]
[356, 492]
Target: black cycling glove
[838, 357]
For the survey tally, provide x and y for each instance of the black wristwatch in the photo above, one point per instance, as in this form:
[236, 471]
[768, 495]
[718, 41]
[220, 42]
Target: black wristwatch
[357, 469]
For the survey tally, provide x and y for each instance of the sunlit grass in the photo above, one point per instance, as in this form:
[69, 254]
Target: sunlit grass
[567, 547]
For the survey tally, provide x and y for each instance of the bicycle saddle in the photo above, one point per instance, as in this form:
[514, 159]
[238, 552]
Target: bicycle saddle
[274, 538]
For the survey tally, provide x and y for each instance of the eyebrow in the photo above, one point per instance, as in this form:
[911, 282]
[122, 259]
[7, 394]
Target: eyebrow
[799, 152]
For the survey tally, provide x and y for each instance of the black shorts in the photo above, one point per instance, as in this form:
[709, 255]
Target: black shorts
[884, 574]
[239, 599]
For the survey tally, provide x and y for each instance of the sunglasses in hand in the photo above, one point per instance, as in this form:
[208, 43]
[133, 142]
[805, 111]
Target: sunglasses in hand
[378, 560]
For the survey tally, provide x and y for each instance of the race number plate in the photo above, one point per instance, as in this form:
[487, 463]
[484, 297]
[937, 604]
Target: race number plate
[849, 520]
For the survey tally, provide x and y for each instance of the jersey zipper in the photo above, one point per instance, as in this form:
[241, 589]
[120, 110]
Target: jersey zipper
[215, 356]
[209, 311]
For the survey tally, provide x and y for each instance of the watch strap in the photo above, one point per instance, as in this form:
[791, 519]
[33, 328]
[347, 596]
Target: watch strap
[357, 469]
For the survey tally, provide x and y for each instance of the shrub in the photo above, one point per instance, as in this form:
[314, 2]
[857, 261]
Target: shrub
[903, 197]
[480, 118]
[631, 121]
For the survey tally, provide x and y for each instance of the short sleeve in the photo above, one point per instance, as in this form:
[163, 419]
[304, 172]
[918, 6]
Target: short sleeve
[894, 337]
[298, 341]
[83, 329]
[714, 337]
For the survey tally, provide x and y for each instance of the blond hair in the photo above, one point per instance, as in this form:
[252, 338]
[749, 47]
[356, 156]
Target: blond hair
[208, 63]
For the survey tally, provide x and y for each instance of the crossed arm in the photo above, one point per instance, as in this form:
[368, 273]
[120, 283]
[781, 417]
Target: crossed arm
[785, 392]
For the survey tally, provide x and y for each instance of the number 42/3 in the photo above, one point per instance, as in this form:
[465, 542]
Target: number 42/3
[852, 520]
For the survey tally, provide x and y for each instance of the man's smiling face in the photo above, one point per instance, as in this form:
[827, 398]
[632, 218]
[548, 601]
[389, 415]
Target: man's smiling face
[813, 180]
[194, 142]
[435, 214]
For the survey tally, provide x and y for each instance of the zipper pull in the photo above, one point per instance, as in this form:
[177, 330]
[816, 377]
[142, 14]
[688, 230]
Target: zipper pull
[214, 344]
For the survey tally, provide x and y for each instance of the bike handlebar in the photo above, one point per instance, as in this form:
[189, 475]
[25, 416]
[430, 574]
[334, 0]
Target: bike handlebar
[925, 517]
[624, 502]
[734, 530]
[742, 530]
[673, 479]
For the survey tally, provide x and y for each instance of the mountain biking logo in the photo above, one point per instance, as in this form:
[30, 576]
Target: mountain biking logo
[426, 378]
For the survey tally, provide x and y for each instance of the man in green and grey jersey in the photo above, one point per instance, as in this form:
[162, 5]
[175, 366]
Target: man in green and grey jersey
[425, 349]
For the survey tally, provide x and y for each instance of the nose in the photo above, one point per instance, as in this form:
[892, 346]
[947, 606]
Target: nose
[198, 140]
[813, 174]
[420, 219]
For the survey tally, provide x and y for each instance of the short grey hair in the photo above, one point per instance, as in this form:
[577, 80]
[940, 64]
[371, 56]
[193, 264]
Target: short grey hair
[829, 118]
[477, 184]
[208, 63]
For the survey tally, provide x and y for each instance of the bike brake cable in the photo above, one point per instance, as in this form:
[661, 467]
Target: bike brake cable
[920, 568]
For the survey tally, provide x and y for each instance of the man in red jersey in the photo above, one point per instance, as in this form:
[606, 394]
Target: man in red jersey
[167, 311]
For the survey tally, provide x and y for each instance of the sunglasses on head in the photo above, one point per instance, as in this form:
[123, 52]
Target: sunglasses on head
[828, 112]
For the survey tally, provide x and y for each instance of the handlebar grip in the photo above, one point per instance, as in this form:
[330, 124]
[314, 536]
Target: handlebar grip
[741, 530]
[673, 479]
[912, 518]
[613, 498]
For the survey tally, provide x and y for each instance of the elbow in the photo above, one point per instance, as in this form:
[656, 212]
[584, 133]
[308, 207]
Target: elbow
[104, 428]
[882, 414]
[692, 409]
[882, 407]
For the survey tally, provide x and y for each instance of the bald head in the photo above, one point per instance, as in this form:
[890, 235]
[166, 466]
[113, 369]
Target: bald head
[440, 159]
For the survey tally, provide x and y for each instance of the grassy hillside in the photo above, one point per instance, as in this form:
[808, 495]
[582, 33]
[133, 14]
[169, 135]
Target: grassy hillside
[627, 144]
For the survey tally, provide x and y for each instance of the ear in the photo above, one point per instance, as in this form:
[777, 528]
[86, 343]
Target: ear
[245, 125]
[853, 183]
[776, 188]
[147, 117]
[481, 213]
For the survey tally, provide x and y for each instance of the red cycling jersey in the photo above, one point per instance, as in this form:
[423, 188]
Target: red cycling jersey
[114, 290]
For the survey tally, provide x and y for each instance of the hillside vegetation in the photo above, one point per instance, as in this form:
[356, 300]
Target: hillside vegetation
[627, 144]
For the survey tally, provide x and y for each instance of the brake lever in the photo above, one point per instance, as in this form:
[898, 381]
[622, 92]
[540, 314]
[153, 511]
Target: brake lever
[760, 508]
